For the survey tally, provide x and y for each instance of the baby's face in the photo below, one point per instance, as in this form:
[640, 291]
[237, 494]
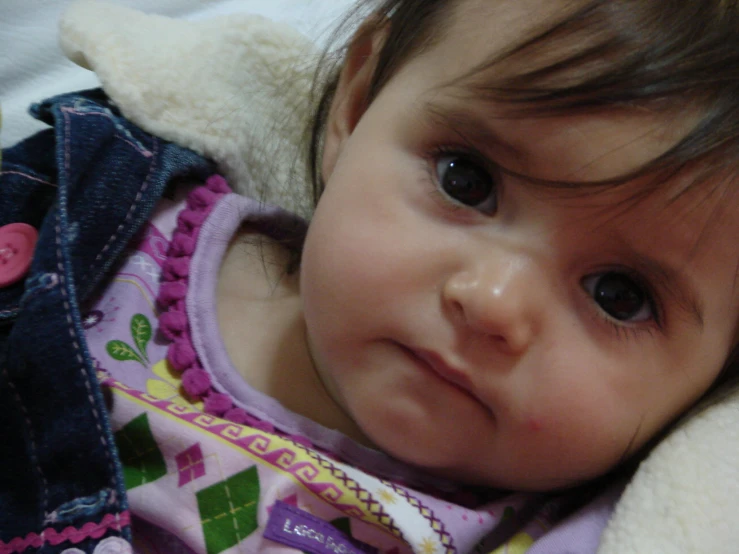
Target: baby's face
[494, 330]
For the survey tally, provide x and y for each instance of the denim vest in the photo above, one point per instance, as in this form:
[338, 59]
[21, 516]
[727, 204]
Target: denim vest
[87, 185]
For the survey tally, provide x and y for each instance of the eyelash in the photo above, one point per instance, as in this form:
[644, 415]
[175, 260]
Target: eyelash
[626, 331]
[632, 330]
[430, 160]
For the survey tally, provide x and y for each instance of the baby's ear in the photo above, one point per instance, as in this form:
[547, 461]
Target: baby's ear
[352, 91]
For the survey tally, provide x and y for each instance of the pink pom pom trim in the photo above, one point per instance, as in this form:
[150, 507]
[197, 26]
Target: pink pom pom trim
[175, 281]
[173, 321]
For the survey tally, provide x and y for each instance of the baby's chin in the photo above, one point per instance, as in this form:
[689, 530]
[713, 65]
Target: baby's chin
[517, 483]
[498, 478]
[468, 460]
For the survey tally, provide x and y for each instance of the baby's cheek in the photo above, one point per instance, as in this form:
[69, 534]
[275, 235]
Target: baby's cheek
[541, 429]
[534, 424]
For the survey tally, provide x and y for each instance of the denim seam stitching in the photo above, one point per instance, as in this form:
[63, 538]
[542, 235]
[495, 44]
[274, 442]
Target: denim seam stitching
[139, 195]
[128, 138]
[67, 307]
[28, 176]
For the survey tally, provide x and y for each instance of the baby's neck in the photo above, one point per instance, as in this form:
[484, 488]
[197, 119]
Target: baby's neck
[261, 321]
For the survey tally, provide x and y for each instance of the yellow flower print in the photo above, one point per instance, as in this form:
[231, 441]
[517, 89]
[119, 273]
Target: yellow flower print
[429, 546]
[170, 387]
[518, 545]
[386, 497]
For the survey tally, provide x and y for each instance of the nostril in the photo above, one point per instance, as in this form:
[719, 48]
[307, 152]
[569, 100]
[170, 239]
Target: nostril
[458, 311]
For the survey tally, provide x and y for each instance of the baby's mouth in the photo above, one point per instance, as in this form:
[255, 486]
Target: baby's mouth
[434, 363]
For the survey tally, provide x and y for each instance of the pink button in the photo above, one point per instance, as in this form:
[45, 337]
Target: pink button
[17, 242]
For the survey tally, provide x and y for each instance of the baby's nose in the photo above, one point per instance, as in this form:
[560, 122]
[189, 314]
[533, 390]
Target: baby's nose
[500, 298]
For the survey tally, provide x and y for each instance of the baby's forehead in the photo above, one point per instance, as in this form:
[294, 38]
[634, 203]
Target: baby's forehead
[472, 33]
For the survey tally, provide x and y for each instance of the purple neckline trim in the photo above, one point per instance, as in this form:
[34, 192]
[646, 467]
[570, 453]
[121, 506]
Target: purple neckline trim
[174, 323]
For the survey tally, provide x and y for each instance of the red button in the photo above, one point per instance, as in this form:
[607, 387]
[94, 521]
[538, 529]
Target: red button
[17, 242]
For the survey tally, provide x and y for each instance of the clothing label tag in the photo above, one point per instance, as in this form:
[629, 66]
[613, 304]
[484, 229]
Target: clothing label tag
[294, 527]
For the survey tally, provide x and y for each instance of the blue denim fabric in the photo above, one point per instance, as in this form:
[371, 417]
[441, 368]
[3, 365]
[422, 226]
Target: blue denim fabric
[87, 184]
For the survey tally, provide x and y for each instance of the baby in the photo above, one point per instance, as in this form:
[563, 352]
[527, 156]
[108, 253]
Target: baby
[464, 265]
[520, 272]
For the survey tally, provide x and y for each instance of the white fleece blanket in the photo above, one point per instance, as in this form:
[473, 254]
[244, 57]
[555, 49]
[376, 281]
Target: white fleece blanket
[224, 85]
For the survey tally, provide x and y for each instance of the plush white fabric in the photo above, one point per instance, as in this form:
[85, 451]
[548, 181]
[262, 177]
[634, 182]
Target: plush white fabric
[231, 87]
[685, 496]
[219, 85]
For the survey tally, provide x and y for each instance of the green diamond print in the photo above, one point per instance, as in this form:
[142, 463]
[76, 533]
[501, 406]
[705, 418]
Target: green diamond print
[228, 510]
[344, 525]
[141, 458]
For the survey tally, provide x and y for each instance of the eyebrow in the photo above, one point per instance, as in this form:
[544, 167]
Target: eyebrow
[474, 132]
[469, 127]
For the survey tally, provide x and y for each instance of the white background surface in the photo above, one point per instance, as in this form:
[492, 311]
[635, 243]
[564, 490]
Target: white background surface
[32, 67]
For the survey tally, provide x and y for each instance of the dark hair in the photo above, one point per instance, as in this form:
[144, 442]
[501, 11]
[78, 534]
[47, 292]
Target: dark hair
[662, 55]
[659, 54]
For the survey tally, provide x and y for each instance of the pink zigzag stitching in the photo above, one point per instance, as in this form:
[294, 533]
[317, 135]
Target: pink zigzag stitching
[113, 522]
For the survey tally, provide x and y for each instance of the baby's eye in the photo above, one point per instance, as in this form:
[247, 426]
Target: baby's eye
[467, 182]
[620, 296]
